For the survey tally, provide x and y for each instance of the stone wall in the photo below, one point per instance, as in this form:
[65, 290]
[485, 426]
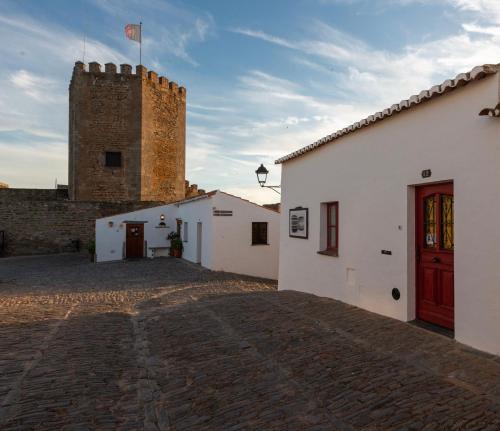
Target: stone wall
[163, 138]
[104, 115]
[192, 190]
[140, 115]
[37, 221]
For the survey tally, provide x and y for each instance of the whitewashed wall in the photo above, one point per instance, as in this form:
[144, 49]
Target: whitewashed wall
[110, 241]
[371, 173]
[226, 241]
[233, 238]
[193, 212]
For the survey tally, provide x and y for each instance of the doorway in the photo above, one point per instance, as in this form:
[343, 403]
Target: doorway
[435, 254]
[199, 233]
[134, 241]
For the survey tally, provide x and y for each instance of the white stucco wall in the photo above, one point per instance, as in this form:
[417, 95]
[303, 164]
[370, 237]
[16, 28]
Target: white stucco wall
[233, 238]
[198, 211]
[110, 241]
[226, 241]
[371, 173]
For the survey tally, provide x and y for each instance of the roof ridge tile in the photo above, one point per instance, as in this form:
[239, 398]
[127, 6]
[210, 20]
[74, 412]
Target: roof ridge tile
[448, 85]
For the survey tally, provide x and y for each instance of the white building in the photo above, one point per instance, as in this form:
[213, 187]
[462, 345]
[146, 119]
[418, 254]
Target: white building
[220, 231]
[398, 213]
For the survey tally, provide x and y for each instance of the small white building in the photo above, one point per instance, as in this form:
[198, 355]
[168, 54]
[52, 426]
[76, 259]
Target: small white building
[219, 231]
[398, 213]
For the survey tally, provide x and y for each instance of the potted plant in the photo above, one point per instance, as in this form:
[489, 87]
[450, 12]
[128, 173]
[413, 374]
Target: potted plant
[91, 250]
[175, 244]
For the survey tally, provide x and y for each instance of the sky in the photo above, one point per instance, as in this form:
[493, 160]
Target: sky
[263, 77]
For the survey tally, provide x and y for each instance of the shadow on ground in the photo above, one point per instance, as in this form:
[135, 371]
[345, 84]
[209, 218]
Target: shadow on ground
[162, 345]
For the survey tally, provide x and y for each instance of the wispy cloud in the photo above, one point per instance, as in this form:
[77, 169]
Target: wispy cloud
[37, 58]
[258, 34]
[256, 112]
[212, 108]
[168, 30]
[43, 90]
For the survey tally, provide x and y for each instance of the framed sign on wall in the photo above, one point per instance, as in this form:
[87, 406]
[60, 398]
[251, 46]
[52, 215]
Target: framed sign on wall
[298, 223]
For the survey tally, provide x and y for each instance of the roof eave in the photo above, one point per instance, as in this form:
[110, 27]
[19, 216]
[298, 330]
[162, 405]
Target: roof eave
[460, 80]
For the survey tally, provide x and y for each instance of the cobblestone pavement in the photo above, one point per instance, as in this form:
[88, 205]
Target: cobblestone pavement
[166, 345]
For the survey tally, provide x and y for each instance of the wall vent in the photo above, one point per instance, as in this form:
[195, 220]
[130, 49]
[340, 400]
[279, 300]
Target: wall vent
[223, 213]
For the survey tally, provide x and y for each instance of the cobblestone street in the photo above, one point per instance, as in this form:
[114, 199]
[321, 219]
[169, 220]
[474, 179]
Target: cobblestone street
[167, 345]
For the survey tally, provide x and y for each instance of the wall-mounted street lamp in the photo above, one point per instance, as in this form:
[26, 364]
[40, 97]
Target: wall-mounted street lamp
[491, 112]
[261, 173]
[162, 220]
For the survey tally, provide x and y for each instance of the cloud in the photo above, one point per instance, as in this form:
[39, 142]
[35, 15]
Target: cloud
[212, 108]
[326, 79]
[168, 30]
[34, 43]
[344, 80]
[369, 75]
[37, 58]
[41, 163]
[42, 89]
[258, 34]
[259, 86]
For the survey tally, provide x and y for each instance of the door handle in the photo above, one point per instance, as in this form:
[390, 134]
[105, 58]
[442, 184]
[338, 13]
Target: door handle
[436, 259]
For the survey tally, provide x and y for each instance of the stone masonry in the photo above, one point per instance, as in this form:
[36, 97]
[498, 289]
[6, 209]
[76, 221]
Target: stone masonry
[40, 221]
[143, 117]
[164, 345]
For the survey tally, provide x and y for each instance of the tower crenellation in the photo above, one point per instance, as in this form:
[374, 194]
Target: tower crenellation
[141, 71]
[126, 135]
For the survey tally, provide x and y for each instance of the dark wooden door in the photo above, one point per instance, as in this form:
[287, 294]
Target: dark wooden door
[135, 240]
[435, 245]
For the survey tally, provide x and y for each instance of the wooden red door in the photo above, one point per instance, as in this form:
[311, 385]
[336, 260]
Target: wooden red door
[135, 240]
[435, 245]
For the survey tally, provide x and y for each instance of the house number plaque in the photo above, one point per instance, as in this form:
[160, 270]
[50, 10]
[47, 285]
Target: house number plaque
[426, 173]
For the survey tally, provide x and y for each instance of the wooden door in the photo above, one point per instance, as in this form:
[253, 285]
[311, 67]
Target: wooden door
[434, 246]
[135, 240]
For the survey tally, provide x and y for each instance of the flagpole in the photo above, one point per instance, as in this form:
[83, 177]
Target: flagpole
[140, 42]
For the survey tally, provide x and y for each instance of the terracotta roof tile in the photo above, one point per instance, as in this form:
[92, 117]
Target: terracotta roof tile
[460, 80]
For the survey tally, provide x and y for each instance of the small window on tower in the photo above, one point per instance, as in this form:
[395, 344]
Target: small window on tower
[113, 159]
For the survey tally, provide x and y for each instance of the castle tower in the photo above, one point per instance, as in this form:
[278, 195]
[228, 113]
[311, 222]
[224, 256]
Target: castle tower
[127, 135]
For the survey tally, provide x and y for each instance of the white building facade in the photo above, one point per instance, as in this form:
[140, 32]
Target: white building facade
[397, 214]
[219, 231]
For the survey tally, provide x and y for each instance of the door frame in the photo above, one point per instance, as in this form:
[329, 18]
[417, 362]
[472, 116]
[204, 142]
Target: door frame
[199, 241]
[141, 226]
[415, 240]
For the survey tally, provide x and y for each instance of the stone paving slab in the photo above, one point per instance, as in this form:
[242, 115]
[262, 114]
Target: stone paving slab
[166, 345]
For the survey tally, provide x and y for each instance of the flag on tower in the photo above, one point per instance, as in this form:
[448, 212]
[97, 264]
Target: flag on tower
[133, 32]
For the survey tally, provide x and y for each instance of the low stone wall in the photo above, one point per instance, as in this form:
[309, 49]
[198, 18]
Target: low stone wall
[38, 221]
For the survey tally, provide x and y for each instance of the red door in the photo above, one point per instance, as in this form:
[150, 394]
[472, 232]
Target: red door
[435, 244]
[135, 240]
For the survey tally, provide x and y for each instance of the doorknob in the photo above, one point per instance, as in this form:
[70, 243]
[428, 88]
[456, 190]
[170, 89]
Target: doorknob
[436, 259]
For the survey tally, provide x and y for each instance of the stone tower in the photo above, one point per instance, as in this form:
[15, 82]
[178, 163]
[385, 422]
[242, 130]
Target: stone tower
[127, 135]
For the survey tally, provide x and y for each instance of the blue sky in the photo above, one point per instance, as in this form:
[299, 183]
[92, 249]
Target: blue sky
[263, 77]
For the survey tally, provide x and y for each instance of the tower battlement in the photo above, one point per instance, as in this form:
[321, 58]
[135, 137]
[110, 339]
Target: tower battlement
[127, 134]
[126, 71]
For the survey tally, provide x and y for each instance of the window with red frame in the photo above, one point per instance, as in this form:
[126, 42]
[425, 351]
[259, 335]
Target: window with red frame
[332, 227]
